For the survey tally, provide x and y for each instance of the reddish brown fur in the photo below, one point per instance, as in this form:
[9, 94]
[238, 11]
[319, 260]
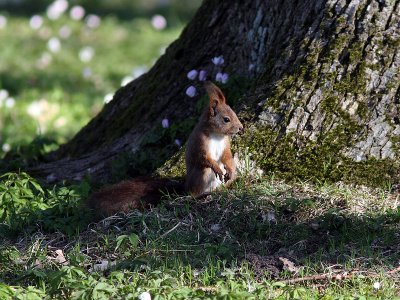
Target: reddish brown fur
[227, 160]
[138, 193]
[199, 162]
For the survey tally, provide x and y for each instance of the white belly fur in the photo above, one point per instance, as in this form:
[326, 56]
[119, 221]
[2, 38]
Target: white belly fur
[216, 147]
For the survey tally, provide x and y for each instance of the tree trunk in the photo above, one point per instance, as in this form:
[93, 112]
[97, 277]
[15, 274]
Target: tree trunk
[316, 83]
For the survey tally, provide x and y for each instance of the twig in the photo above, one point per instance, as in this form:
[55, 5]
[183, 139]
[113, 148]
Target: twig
[395, 270]
[175, 250]
[338, 276]
[169, 231]
[207, 289]
[328, 276]
[325, 276]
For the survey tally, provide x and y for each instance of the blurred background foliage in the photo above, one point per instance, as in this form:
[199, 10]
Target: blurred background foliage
[61, 61]
[176, 11]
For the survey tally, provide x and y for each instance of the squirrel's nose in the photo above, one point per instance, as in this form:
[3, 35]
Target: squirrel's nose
[241, 130]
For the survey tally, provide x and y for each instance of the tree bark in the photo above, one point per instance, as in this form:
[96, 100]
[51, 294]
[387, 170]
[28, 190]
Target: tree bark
[316, 82]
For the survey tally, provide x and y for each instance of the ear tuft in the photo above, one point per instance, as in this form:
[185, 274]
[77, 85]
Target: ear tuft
[214, 93]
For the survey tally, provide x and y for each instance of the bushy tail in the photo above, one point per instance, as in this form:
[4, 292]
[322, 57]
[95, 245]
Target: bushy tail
[138, 193]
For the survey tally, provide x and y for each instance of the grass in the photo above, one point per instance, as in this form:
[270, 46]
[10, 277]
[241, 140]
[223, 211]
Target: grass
[57, 93]
[263, 239]
[245, 243]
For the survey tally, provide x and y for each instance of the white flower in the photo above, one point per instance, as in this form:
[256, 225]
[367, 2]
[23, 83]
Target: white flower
[93, 21]
[56, 9]
[126, 80]
[222, 77]
[3, 21]
[218, 77]
[162, 50]
[215, 227]
[77, 12]
[104, 264]
[54, 45]
[10, 102]
[192, 74]
[218, 60]
[165, 123]
[6, 147]
[64, 32]
[86, 54]
[36, 108]
[3, 95]
[144, 296]
[191, 91]
[36, 22]
[158, 22]
[138, 71]
[377, 285]
[108, 98]
[250, 288]
[202, 75]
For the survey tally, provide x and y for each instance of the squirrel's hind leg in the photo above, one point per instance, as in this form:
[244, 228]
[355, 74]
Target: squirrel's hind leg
[201, 181]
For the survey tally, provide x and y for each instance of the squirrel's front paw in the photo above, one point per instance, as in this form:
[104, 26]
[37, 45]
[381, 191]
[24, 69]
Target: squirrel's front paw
[227, 176]
[219, 174]
[230, 175]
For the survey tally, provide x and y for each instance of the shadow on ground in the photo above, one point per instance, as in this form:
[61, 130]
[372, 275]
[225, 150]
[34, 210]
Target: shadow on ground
[274, 230]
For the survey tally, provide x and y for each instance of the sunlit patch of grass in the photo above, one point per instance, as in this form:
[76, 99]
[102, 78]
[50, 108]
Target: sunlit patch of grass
[57, 93]
[25, 205]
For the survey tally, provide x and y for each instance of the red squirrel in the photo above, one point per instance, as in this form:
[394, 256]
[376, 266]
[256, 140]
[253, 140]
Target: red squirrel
[209, 163]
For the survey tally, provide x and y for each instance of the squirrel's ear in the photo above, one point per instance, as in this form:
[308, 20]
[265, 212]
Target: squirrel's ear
[214, 93]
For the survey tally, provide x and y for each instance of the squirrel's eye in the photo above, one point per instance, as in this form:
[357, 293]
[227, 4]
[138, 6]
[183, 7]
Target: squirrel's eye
[227, 120]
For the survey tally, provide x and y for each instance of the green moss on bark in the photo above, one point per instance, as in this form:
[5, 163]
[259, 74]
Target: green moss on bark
[292, 156]
[318, 162]
[175, 167]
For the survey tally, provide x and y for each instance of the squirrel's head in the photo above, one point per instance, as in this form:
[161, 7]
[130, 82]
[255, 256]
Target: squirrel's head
[221, 118]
